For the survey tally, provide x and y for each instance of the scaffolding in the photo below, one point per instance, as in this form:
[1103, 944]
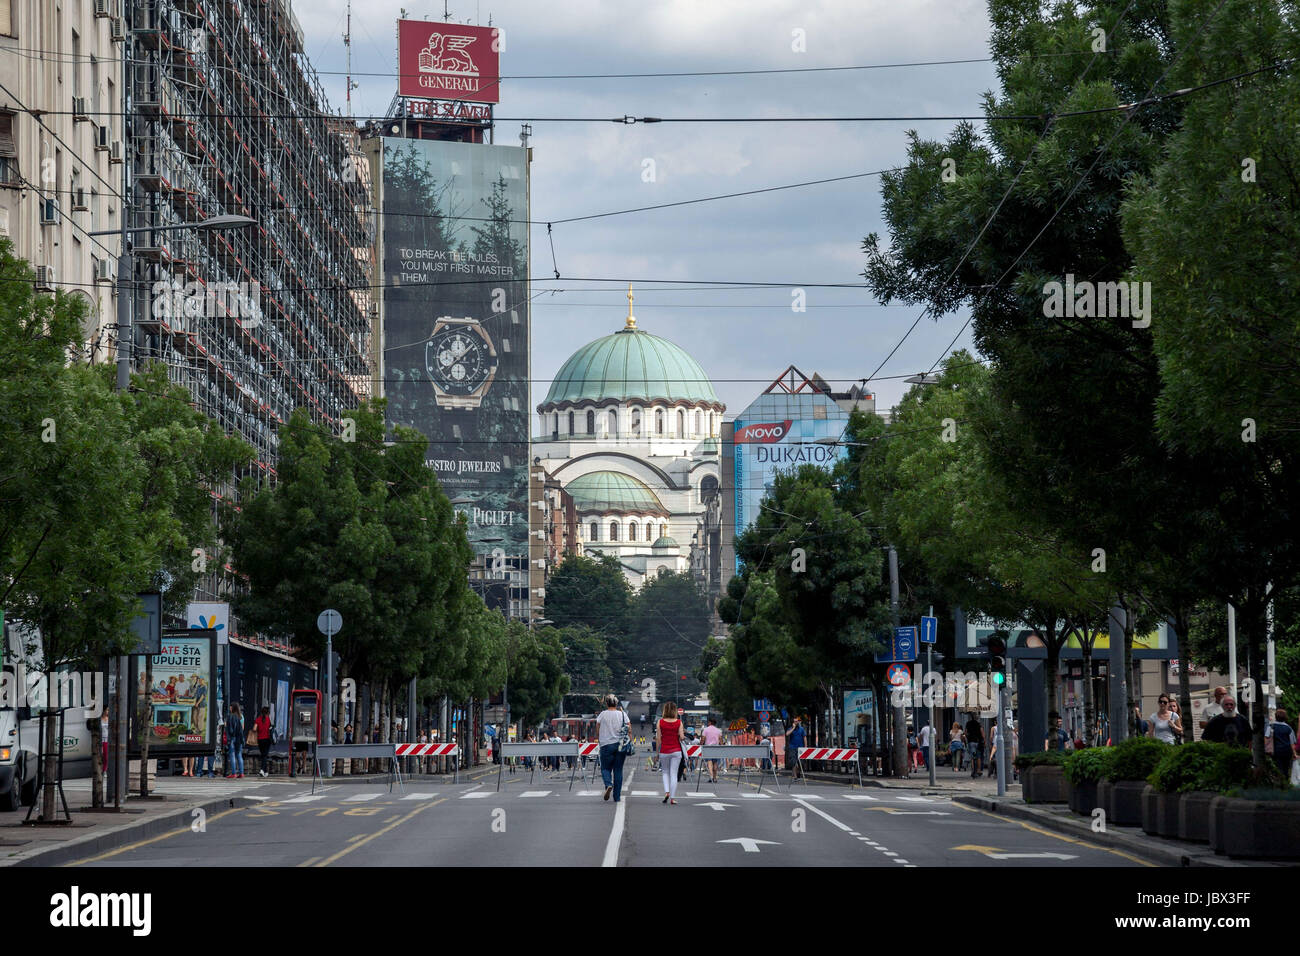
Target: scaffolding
[228, 117]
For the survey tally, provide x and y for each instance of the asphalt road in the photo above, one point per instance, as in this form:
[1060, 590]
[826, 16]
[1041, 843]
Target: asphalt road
[542, 822]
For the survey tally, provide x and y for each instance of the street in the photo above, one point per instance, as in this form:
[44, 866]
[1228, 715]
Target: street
[542, 823]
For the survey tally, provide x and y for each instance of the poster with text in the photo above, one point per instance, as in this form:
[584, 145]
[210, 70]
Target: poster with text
[174, 696]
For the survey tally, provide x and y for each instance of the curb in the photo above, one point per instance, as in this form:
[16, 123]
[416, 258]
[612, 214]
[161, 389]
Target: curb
[93, 844]
[1173, 855]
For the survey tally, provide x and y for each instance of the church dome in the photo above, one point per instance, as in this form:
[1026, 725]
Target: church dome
[608, 492]
[665, 542]
[630, 365]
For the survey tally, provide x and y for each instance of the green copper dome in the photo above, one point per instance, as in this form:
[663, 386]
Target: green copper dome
[631, 365]
[665, 542]
[608, 491]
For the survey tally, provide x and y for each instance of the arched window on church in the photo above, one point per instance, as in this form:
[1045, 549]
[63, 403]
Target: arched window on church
[681, 423]
[555, 425]
[631, 531]
[636, 421]
[613, 531]
[570, 423]
[659, 421]
[697, 423]
[708, 488]
[613, 422]
[710, 424]
[591, 422]
[595, 531]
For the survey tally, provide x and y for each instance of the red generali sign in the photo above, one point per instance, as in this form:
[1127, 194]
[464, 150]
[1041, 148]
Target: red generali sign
[763, 433]
[448, 61]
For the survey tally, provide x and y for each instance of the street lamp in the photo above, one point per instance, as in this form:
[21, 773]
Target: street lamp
[925, 378]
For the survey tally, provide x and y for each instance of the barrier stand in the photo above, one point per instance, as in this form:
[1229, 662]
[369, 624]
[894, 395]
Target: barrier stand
[357, 752]
[591, 750]
[570, 748]
[725, 752]
[434, 750]
[839, 754]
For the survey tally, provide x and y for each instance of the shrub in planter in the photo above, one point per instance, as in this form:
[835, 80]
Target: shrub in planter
[1132, 761]
[1257, 823]
[1083, 769]
[1041, 777]
[1182, 770]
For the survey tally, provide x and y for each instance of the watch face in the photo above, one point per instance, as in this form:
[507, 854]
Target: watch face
[458, 360]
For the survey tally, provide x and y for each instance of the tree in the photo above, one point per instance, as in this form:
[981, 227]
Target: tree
[670, 624]
[538, 682]
[589, 593]
[586, 660]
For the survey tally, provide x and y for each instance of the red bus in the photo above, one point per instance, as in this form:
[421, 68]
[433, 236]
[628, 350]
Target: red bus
[579, 726]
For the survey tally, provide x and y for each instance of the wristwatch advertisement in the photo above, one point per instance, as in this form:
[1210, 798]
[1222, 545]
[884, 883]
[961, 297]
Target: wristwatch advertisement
[461, 361]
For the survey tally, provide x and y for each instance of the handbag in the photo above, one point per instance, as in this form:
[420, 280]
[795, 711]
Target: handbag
[250, 738]
[625, 745]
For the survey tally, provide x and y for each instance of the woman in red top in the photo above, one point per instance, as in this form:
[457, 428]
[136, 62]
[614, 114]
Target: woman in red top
[668, 738]
[263, 727]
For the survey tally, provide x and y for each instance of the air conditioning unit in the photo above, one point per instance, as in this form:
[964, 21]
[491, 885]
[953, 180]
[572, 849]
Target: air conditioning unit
[540, 563]
[45, 278]
[103, 8]
[540, 592]
[80, 111]
[115, 151]
[104, 270]
[49, 212]
[102, 134]
[119, 30]
[80, 201]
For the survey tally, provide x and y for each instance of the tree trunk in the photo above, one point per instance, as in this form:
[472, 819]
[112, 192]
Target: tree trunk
[1252, 623]
[1179, 625]
[1052, 686]
[96, 762]
[1089, 700]
[146, 713]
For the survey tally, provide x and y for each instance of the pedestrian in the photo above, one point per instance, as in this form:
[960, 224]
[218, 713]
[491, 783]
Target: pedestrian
[794, 740]
[187, 766]
[612, 726]
[264, 729]
[975, 744]
[1284, 738]
[668, 735]
[1228, 727]
[923, 738]
[957, 747]
[234, 742]
[994, 740]
[1165, 724]
[1214, 709]
[1141, 722]
[712, 737]
[764, 740]
[1177, 712]
[1056, 738]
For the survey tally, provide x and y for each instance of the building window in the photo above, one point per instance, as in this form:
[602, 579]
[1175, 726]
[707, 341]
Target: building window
[595, 531]
[8, 149]
[631, 531]
[613, 422]
[681, 423]
[6, 18]
[708, 487]
[591, 423]
[613, 531]
[659, 421]
[710, 424]
[697, 423]
[570, 423]
[636, 421]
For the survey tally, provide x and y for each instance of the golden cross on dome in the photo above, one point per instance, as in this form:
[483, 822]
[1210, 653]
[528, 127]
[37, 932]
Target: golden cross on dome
[631, 319]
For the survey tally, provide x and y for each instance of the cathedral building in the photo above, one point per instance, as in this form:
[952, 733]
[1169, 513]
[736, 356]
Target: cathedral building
[630, 429]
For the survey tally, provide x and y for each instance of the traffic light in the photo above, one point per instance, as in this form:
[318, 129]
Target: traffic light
[997, 657]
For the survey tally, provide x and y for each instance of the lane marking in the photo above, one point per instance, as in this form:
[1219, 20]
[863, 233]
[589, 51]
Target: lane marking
[917, 799]
[643, 793]
[363, 797]
[616, 829]
[135, 846]
[757, 796]
[536, 793]
[475, 796]
[362, 842]
[305, 799]
[1059, 836]
[419, 796]
[823, 814]
[309, 861]
[859, 796]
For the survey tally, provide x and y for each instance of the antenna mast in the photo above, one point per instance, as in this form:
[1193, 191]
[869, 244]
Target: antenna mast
[347, 46]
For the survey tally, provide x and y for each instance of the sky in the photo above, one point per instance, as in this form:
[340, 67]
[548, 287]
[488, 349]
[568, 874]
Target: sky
[743, 338]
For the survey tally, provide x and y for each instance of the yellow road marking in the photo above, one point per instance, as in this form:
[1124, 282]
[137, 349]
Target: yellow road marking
[355, 837]
[362, 842]
[163, 836]
[298, 813]
[326, 810]
[1057, 836]
[395, 816]
[309, 862]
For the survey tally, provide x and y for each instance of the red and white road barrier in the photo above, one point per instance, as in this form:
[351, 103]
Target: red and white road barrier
[428, 750]
[693, 750]
[828, 753]
[588, 750]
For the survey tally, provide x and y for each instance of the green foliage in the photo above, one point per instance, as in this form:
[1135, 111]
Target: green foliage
[1042, 758]
[1089, 765]
[537, 678]
[1186, 768]
[1136, 758]
[586, 658]
[1232, 770]
[584, 592]
[670, 624]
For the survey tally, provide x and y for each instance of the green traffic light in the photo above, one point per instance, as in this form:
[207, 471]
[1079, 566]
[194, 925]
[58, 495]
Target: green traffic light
[999, 677]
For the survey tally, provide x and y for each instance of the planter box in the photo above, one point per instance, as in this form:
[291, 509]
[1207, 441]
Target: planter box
[1083, 797]
[1043, 785]
[1256, 829]
[1194, 816]
[1125, 804]
[1159, 812]
[1104, 787]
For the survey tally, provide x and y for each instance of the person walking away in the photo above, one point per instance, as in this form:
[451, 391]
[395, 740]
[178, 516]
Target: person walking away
[1284, 738]
[1165, 724]
[957, 747]
[668, 735]
[609, 732]
[1228, 727]
[924, 739]
[794, 741]
[712, 737]
[975, 745]
[234, 742]
[264, 736]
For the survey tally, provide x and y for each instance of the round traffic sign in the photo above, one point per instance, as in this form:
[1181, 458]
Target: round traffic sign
[329, 621]
[899, 674]
[763, 716]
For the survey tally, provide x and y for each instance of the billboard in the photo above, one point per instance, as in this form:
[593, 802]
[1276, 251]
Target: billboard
[258, 680]
[778, 433]
[175, 695]
[456, 323]
[449, 61]
[1024, 640]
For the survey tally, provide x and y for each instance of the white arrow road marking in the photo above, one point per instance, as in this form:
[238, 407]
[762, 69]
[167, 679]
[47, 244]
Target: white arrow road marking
[716, 805]
[996, 853]
[750, 844]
